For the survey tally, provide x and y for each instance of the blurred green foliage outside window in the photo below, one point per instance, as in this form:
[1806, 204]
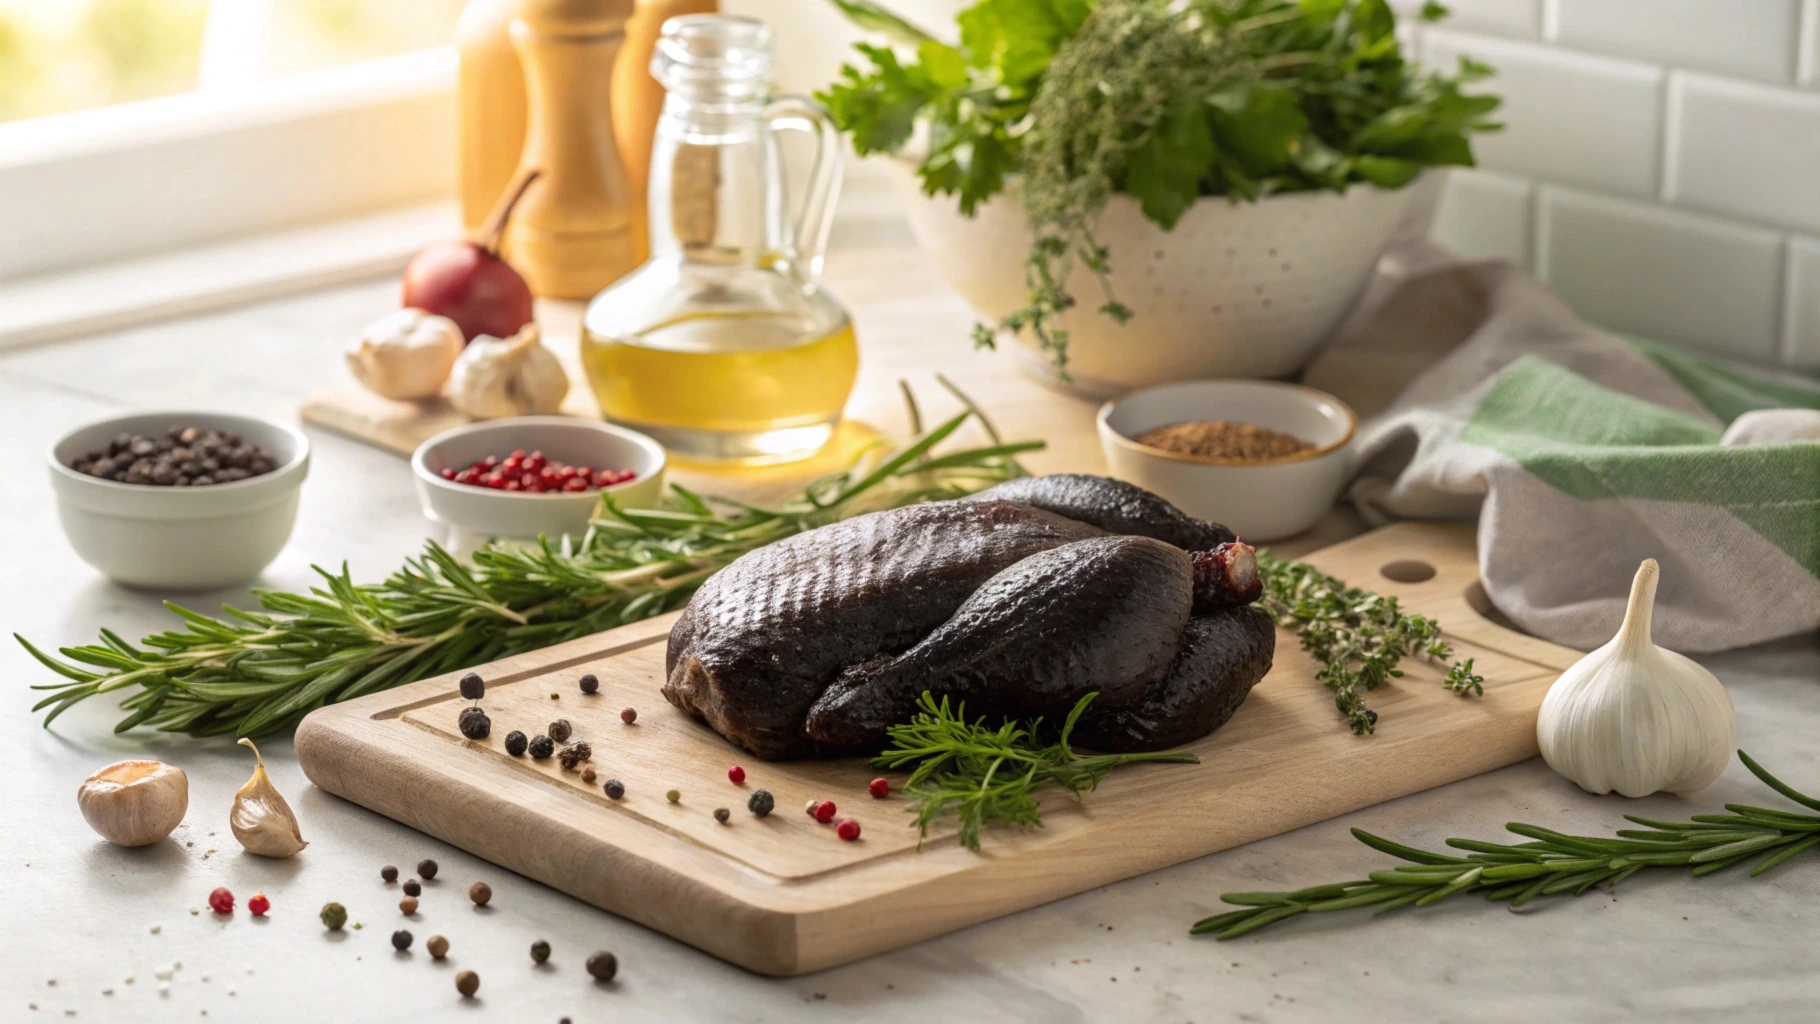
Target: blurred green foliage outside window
[62, 55]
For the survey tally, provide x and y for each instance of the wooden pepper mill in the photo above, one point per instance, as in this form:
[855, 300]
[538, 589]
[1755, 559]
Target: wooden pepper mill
[574, 232]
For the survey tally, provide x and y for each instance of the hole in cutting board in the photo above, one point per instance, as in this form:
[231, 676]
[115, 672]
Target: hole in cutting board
[1479, 601]
[1408, 571]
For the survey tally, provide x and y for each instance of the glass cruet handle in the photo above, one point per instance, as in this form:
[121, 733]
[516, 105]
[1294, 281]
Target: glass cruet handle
[800, 113]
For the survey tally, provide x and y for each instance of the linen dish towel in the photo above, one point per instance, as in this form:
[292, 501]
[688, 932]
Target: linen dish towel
[1582, 453]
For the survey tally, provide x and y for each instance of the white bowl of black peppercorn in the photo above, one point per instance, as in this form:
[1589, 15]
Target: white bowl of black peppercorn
[211, 518]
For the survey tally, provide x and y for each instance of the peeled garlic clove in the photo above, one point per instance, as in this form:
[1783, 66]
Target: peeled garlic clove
[134, 803]
[500, 377]
[1634, 717]
[405, 355]
[261, 820]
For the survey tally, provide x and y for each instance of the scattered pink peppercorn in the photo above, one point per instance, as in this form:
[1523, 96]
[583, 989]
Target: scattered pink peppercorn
[824, 811]
[848, 829]
[879, 788]
[221, 901]
[258, 904]
[736, 775]
[629, 715]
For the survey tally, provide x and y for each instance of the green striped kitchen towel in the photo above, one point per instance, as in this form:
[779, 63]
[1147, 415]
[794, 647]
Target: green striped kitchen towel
[1582, 453]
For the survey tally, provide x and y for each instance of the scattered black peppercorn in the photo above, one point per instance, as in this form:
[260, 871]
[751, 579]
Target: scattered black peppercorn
[388, 873]
[560, 730]
[540, 951]
[412, 887]
[603, 966]
[615, 789]
[467, 983]
[477, 725]
[542, 747]
[574, 754]
[590, 683]
[515, 743]
[426, 869]
[473, 687]
[481, 893]
[721, 814]
[760, 802]
[401, 939]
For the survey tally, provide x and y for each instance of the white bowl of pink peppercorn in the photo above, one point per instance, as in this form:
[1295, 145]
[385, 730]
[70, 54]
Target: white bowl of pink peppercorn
[533, 485]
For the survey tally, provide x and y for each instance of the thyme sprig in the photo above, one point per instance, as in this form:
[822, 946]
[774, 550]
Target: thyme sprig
[991, 775]
[1550, 863]
[1358, 636]
[254, 672]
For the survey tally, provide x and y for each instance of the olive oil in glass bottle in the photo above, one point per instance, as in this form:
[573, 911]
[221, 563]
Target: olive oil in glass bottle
[723, 346]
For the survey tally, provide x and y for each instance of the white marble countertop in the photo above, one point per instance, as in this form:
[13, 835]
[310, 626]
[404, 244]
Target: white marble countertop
[83, 917]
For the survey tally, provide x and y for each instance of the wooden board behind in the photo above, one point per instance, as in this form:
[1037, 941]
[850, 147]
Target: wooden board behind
[783, 895]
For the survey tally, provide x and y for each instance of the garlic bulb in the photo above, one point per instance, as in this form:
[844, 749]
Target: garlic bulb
[1634, 717]
[405, 355]
[134, 803]
[261, 820]
[499, 377]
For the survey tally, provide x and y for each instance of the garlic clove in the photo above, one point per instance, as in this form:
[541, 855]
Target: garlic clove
[406, 354]
[261, 820]
[499, 377]
[1636, 718]
[134, 803]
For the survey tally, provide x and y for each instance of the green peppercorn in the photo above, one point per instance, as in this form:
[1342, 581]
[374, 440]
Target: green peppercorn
[615, 789]
[603, 966]
[515, 743]
[761, 802]
[401, 940]
[590, 683]
[674, 796]
[467, 983]
[540, 951]
[542, 747]
[721, 814]
[334, 915]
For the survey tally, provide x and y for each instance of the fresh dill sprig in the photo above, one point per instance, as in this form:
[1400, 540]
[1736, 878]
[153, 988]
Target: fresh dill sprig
[1550, 863]
[1359, 637]
[991, 776]
[254, 672]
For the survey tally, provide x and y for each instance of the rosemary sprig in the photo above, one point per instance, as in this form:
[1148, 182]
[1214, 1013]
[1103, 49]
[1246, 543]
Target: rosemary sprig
[1358, 637]
[990, 776]
[1549, 864]
[254, 672]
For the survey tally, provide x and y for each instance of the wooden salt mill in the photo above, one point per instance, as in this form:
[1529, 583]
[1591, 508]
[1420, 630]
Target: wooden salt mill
[574, 232]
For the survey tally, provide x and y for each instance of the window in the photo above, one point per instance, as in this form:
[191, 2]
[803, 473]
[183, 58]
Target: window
[62, 55]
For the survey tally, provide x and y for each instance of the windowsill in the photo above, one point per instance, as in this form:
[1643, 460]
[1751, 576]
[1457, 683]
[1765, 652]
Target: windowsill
[85, 300]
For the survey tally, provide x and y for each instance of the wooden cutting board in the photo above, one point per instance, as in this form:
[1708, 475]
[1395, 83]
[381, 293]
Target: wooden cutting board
[783, 895]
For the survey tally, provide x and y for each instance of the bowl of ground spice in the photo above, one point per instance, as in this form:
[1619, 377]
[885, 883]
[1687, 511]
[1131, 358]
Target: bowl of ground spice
[1265, 458]
[179, 500]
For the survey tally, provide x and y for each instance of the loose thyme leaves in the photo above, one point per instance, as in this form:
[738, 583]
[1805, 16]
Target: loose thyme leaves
[1549, 864]
[1358, 637]
[990, 776]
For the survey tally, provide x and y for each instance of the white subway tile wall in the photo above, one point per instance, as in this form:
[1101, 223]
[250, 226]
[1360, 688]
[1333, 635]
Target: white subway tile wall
[1661, 165]
[1801, 323]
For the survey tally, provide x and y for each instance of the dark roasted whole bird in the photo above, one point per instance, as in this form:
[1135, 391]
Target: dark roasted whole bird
[1019, 600]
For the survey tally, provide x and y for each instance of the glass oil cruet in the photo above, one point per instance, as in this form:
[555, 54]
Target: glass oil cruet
[723, 346]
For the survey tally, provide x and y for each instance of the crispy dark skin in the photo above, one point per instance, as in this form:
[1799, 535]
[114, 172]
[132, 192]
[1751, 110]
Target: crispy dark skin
[815, 644]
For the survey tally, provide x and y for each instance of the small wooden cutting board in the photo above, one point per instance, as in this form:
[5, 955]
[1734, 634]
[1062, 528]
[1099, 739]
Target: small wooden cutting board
[782, 895]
